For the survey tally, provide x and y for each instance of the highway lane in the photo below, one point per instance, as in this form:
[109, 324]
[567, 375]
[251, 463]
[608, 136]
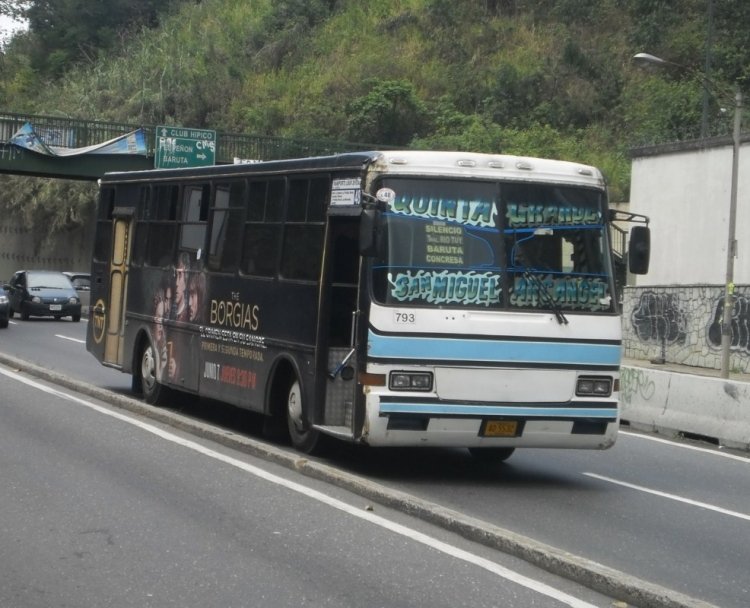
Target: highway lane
[105, 508]
[682, 520]
[59, 346]
[662, 512]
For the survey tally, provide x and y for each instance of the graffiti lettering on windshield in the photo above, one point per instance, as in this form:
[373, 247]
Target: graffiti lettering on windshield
[446, 287]
[468, 212]
[531, 215]
[571, 293]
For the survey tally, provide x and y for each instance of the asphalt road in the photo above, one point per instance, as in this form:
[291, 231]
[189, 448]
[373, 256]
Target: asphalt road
[105, 508]
[672, 514]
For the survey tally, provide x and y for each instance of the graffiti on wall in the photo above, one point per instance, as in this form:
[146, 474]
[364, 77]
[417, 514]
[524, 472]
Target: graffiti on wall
[659, 317]
[688, 319]
[740, 325]
[635, 383]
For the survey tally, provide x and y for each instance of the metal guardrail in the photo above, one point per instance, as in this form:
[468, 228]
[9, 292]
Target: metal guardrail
[77, 133]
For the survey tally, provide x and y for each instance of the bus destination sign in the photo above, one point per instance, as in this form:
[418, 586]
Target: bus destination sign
[181, 147]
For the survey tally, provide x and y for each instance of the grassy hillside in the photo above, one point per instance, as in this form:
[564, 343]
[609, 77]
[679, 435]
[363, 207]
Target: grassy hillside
[538, 77]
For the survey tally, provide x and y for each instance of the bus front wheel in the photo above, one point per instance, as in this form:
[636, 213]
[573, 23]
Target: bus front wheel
[304, 438]
[154, 391]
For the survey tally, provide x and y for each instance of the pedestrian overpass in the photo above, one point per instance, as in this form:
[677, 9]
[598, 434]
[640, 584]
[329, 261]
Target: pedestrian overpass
[68, 148]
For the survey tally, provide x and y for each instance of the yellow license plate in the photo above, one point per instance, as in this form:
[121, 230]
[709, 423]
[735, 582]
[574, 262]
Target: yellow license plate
[500, 428]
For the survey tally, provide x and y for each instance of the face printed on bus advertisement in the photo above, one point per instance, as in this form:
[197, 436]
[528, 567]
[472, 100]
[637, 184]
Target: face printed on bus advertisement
[196, 291]
[161, 310]
[180, 305]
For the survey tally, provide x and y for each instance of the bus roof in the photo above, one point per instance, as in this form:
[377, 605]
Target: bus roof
[491, 166]
[405, 162]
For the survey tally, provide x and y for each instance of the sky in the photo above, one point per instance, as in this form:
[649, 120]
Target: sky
[8, 26]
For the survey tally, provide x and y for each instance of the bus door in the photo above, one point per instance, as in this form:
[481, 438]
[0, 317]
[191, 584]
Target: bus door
[337, 324]
[122, 229]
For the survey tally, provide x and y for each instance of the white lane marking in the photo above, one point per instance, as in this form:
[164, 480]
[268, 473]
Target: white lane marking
[689, 501]
[677, 444]
[71, 339]
[377, 520]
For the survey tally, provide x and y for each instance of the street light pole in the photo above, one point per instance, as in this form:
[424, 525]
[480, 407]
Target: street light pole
[726, 320]
[726, 323]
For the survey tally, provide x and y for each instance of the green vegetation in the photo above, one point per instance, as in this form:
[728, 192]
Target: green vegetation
[533, 77]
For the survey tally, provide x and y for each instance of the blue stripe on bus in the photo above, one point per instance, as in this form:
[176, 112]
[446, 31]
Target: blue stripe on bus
[499, 351]
[458, 409]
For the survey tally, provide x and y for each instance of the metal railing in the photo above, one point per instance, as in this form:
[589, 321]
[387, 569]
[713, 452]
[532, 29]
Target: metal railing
[76, 133]
[619, 241]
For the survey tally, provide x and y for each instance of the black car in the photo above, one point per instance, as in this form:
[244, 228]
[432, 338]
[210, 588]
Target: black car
[4, 309]
[43, 293]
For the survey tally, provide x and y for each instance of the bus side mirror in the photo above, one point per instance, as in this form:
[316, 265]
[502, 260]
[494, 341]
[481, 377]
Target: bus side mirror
[370, 233]
[639, 249]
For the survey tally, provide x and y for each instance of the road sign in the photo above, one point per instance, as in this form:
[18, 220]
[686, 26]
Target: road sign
[180, 147]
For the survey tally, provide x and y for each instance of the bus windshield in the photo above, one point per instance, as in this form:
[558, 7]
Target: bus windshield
[485, 244]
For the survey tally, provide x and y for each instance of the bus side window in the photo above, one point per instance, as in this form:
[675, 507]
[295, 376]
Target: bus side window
[195, 217]
[304, 229]
[226, 226]
[140, 242]
[104, 219]
[162, 227]
[262, 231]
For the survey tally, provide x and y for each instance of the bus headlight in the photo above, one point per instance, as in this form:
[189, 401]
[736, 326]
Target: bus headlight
[410, 381]
[594, 387]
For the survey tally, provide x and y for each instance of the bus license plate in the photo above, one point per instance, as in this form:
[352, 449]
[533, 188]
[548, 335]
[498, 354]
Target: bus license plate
[500, 428]
[55, 306]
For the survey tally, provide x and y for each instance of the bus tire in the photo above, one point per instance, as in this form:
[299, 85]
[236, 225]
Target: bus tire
[154, 392]
[304, 438]
[491, 454]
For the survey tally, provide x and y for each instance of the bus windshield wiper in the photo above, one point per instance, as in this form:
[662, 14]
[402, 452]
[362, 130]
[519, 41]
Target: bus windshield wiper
[546, 299]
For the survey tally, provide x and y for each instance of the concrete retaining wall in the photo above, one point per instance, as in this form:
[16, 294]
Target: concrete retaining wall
[682, 323]
[673, 403]
[25, 249]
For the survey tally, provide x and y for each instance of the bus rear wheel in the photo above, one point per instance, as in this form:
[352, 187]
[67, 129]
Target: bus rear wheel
[154, 391]
[492, 454]
[304, 438]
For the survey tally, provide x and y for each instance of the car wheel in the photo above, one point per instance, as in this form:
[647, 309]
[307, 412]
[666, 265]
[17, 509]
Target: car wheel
[24, 314]
[76, 318]
[3, 323]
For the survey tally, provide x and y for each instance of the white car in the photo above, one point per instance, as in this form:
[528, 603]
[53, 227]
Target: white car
[82, 283]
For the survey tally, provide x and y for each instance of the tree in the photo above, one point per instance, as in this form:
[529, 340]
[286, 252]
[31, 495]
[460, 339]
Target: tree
[391, 113]
[14, 9]
[70, 31]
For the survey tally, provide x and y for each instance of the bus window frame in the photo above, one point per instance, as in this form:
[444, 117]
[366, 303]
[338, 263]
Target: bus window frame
[193, 231]
[221, 266]
[311, 221]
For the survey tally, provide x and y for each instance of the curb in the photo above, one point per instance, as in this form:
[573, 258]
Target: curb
[595, 576]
